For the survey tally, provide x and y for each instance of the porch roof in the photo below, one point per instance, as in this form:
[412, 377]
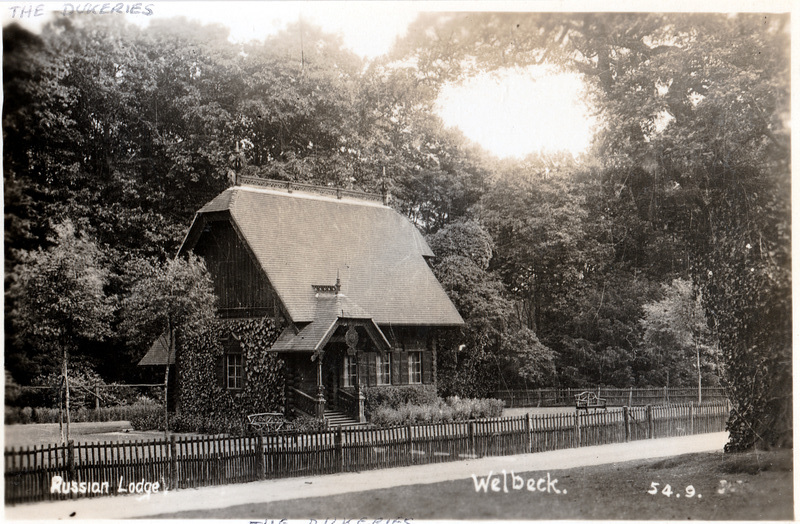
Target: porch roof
[330, 312]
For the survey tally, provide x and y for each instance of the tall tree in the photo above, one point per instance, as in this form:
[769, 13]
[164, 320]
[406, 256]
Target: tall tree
[172, 300]
[696, 138]
[60, 301]
[676, 329]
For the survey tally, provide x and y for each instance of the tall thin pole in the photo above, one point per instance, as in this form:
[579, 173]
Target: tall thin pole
[66, 394]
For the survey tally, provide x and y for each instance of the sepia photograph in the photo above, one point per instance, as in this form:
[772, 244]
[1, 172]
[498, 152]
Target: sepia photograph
[394, 262]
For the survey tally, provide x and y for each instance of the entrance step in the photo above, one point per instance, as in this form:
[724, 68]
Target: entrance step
[338, 419]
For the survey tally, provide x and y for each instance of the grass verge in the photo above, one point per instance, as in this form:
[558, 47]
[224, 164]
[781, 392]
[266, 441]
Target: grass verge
[752, 486]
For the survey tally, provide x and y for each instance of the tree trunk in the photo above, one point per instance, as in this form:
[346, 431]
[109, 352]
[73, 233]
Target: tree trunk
[66, 394]
[699, 375]
[166, 408]
[61, 410]
[170, 352]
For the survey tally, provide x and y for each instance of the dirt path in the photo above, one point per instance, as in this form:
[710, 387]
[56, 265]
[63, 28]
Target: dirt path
[117, 507]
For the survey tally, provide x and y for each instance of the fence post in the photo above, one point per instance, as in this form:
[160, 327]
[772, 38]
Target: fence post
[71, 460]
[626, 418]
[630, 397]
[528, 432]
[577, 429]
[471, 428]
[339, 448]
[649, 413]
[410, 443]
[173, 461]
[691, 418]
[262, 457]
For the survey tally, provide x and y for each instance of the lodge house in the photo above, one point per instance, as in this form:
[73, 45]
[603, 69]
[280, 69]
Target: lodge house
[343, 275]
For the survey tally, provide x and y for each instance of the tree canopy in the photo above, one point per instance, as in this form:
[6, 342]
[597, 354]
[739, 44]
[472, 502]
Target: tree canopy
[568, 271]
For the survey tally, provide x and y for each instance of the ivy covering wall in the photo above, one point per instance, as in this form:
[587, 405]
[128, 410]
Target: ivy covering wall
[204, 401]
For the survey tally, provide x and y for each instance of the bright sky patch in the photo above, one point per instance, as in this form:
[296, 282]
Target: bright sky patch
[515, 112]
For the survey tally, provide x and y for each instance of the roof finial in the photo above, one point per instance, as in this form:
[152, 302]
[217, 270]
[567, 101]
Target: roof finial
[338, 283]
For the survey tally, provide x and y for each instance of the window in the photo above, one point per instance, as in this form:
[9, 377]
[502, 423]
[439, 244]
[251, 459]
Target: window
[349, 372]
[234, 371]
[383, 364]
[415, 367]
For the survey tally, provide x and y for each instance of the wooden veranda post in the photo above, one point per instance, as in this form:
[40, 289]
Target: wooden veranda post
[362, 417]
[320, 390]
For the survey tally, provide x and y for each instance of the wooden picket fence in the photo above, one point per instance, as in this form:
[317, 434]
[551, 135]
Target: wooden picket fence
[554, 397]
[188, 462]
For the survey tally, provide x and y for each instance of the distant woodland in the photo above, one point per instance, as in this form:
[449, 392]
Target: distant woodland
[660, 257]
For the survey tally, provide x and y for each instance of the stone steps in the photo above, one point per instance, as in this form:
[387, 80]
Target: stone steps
[338, 419]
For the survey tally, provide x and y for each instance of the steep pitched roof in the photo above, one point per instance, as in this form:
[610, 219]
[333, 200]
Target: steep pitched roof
[301, 239]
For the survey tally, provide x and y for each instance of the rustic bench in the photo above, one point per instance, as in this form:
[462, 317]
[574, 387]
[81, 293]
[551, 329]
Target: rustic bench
[262, 423]
[588, 400]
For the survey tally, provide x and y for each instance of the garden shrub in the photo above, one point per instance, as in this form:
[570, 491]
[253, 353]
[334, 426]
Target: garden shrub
[305, 424]
[191, 423]
[148, 421]
[30, 415]
[397, 396]
[454, 409]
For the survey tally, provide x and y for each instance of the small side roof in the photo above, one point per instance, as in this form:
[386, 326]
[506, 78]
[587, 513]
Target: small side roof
[157, 354]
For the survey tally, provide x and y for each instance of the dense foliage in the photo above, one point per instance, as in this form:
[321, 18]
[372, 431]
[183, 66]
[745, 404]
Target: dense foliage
[659, 258]
[693, 172]
[205, 403]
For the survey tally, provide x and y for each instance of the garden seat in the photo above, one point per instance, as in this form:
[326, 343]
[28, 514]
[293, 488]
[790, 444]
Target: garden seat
[588, 400]
[263, 423]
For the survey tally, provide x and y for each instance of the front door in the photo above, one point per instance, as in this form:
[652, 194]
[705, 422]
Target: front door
[330, 377]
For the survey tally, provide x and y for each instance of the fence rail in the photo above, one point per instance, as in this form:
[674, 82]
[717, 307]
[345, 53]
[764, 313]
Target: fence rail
[551, 397]
[101, 469]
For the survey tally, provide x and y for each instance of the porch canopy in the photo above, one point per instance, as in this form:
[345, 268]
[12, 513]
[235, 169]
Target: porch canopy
[332, 311]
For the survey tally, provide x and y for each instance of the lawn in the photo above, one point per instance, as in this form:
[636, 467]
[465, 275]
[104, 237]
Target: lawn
[17, 435]
[702, 486]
